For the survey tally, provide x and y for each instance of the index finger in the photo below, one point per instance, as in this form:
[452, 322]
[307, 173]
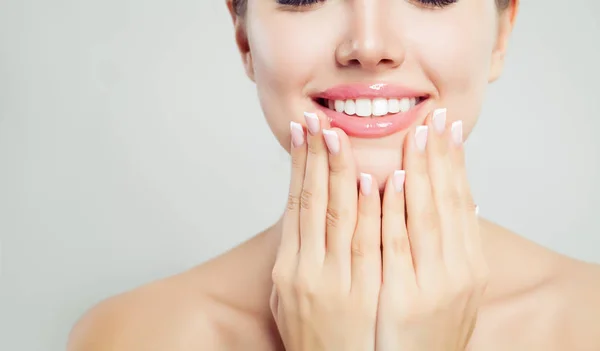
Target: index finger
[290, 236]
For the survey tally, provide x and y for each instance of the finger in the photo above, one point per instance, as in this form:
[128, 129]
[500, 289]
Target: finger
[342, 205]
[274, 304]
[313, 198]
[366, 242]
[472, 239]
[398, 270]
[290, 238]
[448, 200]
[422, 218]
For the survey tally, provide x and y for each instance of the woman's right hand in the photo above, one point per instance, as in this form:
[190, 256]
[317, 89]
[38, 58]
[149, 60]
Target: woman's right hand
[327, 273]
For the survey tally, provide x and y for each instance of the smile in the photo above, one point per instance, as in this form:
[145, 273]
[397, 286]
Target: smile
[364, 107]
[371, 111]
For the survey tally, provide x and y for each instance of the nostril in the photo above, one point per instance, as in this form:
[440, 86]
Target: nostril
[386, 62]
[353, 62]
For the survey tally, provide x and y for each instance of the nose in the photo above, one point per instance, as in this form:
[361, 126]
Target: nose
[370, 42]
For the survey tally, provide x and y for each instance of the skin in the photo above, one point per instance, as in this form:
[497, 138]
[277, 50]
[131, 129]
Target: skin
[525, 297]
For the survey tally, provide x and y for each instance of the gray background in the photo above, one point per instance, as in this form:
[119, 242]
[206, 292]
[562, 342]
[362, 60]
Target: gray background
[133, 147]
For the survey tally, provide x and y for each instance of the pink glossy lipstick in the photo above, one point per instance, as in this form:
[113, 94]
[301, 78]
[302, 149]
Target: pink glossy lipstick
[371, 110]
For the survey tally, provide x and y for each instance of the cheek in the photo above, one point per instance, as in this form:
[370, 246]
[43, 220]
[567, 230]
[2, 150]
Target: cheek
[287, 55]
[454, 53]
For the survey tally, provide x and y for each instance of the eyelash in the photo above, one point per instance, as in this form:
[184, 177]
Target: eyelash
[300, 3]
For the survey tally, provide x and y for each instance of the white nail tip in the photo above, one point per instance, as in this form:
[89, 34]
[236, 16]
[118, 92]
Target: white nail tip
[439, 111]
[365, 183]
[421, 129]
[477, 210]
[398, 180]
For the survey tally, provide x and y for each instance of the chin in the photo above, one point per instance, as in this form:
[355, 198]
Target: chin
[380, 163]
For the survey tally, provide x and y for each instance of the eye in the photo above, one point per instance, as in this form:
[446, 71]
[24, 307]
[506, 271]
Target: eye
[436, 3]
[298, 3]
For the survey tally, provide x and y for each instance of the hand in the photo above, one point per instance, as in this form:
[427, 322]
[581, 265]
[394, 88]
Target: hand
[327, 272]
[434, 272]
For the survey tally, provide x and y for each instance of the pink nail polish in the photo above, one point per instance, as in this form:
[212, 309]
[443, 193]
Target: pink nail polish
[312, 122]
[457, 132]
[297, 134]
[398, 180]
[439, 120]
[332, 141]
[365, 184]
[421, 137]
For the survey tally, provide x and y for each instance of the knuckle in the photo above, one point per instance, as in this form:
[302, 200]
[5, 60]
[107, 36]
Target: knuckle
[430, 220]
[454, 201]
[399, 244]
[306, 199]
[298, 163]
[337, 167]
[315, 148]
[293, 202]
[305, 288]
[279, 277]
[361, 246]
[357, 248]
[333, 218]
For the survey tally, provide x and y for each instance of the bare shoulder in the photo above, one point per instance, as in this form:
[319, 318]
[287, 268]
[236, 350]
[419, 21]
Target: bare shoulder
[165, 315]
[580, 286]
[221, 304]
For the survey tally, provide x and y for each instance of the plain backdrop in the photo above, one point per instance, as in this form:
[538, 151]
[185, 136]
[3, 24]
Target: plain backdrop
[132, 147]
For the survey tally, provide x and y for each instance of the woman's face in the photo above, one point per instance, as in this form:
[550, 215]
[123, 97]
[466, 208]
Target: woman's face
[395, 58]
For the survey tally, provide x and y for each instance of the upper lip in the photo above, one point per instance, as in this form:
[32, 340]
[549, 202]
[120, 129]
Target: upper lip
[369, 91]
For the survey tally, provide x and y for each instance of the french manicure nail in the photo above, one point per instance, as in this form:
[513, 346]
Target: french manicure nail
[297, 134]
[365, 184]
[332, 141]
[421, 137]
[457, 132]
[477, 211]
[439, 120]
[312, 122]
[399, 177]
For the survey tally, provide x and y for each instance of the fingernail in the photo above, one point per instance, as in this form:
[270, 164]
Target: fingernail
[297, 134]
[421, 137]
[365, 184]
[477, 211]
[312, 122]
[439, 120]
[399, 177]
[457, 132]
[332, 141]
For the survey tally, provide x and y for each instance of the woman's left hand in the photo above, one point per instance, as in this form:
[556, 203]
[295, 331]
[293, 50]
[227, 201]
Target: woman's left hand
[434, 272]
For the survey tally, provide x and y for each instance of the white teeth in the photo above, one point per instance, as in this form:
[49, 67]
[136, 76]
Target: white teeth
[363, 107]
[372, 108]
[339, 105]
[404, 104]
[393, 106]
[350, 107]
[380, 107]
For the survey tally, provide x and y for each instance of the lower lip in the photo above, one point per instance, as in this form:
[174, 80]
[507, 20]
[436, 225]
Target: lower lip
[373, 127]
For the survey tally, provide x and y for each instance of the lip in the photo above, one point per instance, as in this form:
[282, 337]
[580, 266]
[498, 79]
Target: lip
[371, 127]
